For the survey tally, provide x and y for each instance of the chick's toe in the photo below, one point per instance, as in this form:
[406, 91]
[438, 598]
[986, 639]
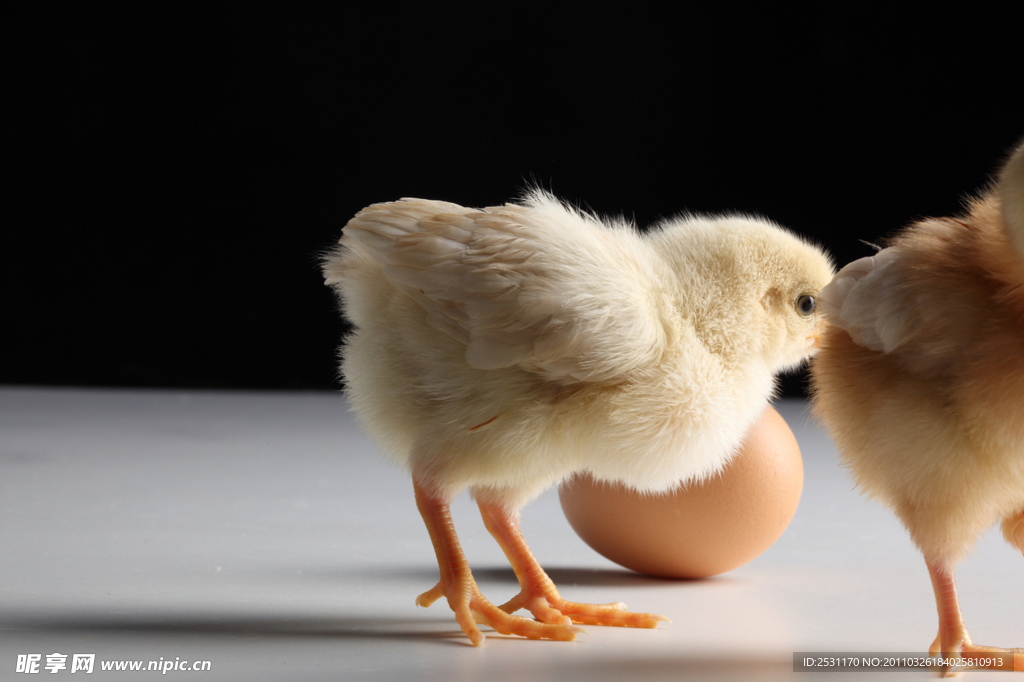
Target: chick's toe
[538, 593]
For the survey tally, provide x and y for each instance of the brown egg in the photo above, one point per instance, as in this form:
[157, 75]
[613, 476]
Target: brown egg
[703, 529]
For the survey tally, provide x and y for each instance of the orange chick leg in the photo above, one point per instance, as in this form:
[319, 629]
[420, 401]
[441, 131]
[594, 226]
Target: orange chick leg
[537, 593]
[953, 640]
[460, 589]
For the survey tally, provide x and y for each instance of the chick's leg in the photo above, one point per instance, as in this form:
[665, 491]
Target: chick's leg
[537, 593]
[953, 640]
[458, 586]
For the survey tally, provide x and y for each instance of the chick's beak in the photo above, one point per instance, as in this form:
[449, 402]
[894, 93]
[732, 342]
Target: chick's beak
[816, 333]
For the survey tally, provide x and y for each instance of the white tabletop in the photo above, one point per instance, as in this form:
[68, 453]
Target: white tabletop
[262, 533]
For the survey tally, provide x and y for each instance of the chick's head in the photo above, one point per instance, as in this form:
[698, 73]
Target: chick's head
[750, 286]
[791, 273]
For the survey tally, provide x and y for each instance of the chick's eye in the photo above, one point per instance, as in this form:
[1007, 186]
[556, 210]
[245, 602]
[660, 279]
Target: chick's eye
[805, 305]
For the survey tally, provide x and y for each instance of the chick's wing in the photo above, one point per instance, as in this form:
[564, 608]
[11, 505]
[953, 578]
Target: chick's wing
[918, 301]
[868, 299]
[536, 285]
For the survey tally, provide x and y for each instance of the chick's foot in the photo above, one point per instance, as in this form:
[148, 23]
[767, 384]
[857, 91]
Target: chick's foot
[458, 586]
[956, 644]
[472, 608]
[953, 641]
[537, 592]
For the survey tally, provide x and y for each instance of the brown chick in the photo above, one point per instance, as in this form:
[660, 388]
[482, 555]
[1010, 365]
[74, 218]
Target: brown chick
[505, 349]
[920, 380]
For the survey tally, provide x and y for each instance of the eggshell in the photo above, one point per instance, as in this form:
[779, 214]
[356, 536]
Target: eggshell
[705, 528]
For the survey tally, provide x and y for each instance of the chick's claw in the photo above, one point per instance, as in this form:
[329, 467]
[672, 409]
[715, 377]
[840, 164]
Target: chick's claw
[472, 608]
[539, 606]
[430, 596]
[507, 624]
[551, 608]
[607, 614]
[547, 606]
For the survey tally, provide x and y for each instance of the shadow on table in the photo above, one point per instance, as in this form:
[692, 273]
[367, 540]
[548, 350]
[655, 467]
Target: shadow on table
[121, 630]
[64, 624]
[437, 626]
[564, 576]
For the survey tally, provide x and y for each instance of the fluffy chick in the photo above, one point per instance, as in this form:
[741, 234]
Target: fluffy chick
[505, 349]
[921, 382]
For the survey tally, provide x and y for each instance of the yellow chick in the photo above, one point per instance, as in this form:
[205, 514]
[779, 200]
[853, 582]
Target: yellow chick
[505, 349]
[921, 382]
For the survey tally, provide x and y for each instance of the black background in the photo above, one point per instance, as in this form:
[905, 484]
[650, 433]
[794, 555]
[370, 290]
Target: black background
[172, 178]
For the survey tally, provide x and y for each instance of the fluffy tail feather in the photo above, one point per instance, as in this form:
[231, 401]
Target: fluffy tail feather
[1013, 530]
[1011, 197]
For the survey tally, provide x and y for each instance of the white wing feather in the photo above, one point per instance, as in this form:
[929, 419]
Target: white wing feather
[868, 299]
[535, 285]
